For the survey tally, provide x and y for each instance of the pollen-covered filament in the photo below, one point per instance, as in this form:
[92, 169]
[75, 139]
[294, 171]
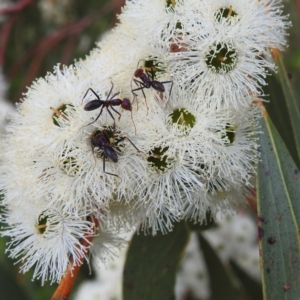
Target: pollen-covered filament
[42, 223]
[60, 113]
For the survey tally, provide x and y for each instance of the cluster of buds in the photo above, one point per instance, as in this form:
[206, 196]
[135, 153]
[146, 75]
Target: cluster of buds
[155, 126]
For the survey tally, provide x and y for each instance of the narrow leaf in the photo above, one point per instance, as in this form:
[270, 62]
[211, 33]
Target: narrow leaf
[221, 285]
[278, 111]
[278, 190]
[290, 98]
[152, 263]
[251, 286]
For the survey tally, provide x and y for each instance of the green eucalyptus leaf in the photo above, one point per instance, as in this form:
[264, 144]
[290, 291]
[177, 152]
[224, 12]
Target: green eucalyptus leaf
[290, 98]
[277, 109]
[152, 262]
[251, 286]
[278, 190]
[221, 284]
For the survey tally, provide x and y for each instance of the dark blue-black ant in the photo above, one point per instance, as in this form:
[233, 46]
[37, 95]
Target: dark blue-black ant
[147, 81]
[102, 141]
[108, 103]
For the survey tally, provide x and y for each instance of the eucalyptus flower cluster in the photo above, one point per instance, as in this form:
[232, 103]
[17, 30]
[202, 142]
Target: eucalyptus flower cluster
[184, 145]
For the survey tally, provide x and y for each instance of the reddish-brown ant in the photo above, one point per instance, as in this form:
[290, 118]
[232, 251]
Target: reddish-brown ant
[102, 141]
[108, 103]
[147, 81]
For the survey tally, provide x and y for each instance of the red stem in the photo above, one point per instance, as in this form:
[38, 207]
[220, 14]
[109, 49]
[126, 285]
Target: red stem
[64, 288]
[15, 7]
[43, 47]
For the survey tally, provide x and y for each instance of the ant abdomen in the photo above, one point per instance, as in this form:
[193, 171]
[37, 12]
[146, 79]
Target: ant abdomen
[111, 154]
[158, 86]
[92, 105]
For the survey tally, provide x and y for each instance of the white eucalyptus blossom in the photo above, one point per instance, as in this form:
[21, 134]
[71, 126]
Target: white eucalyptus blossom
[61, 163]
[259, 24]
[45, 237]
[154, 126]
[195, 152]
[218, 48]
[232, 173]
[219, 67]
[59, 156]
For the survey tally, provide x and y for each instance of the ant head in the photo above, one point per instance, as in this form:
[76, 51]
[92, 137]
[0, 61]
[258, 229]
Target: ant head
[138, 73]
[126, 104]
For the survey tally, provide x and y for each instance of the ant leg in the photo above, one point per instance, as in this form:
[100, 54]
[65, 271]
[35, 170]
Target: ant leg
[141, 87]
[125, 137]
[90, 89]
[170, 89]
[95, 119]
[116, 112]
[133, 123]
[108, 172]
[111, 114]
[113, 96]
[138, 150]
[138, 83]
[112, 86]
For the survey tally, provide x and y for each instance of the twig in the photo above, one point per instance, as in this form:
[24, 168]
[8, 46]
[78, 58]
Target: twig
[64, 288]
[15, 7]
[40, 50]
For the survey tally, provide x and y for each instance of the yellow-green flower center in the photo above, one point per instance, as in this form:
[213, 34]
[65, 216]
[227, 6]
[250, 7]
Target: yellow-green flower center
[159, 161]
[182, 118]
[225, 13]
[221, 58]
